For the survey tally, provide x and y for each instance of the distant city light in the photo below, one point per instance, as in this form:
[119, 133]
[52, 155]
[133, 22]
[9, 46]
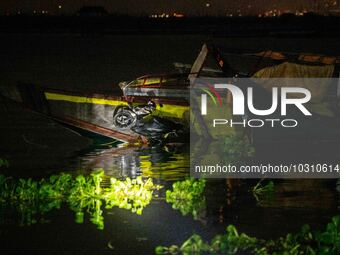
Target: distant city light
[178, 15]
[167, 15]
[268, 8]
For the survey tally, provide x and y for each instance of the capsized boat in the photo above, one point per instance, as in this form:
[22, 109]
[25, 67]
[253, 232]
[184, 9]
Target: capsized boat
[120, 116]
[156, 107]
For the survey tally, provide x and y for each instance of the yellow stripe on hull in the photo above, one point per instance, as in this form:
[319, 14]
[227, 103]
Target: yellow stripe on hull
[82, 100]
[168, 110]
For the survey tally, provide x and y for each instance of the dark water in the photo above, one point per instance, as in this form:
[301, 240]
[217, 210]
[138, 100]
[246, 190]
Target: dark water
[295, 202]
[99, 62]
[67, 61]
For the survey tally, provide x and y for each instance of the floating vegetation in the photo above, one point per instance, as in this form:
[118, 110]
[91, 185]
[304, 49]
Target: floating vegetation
[4, 163]
[219, 157]
[187, 196]
[306, 242]
[82, 194]
[261, 190]
[236, 150]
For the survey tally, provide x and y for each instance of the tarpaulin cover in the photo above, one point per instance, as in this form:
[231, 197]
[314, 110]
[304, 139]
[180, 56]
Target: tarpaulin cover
[317, 86]
[306, 57]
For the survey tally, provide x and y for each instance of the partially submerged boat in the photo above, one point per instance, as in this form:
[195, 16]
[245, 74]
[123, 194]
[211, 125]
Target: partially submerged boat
[156, 107]
[114, 115]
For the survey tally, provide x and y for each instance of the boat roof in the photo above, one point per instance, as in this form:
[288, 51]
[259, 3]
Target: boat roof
[279, 55]
[164, 75]
[246, 62]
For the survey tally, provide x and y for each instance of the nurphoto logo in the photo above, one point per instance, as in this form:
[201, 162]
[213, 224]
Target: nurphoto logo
[241, 99]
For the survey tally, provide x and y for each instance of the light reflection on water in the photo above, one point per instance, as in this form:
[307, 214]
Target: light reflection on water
[170, 162]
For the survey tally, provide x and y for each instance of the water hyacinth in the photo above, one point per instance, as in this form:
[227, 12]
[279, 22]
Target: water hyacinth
[187, 196]
[4, 163]
[133, 194]
[305, 242]
[263, 191]
[82, 194]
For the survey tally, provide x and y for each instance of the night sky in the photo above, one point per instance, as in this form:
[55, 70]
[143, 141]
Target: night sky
[189, 7]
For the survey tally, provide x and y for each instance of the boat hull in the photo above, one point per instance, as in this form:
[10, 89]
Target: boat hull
[92, 112]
